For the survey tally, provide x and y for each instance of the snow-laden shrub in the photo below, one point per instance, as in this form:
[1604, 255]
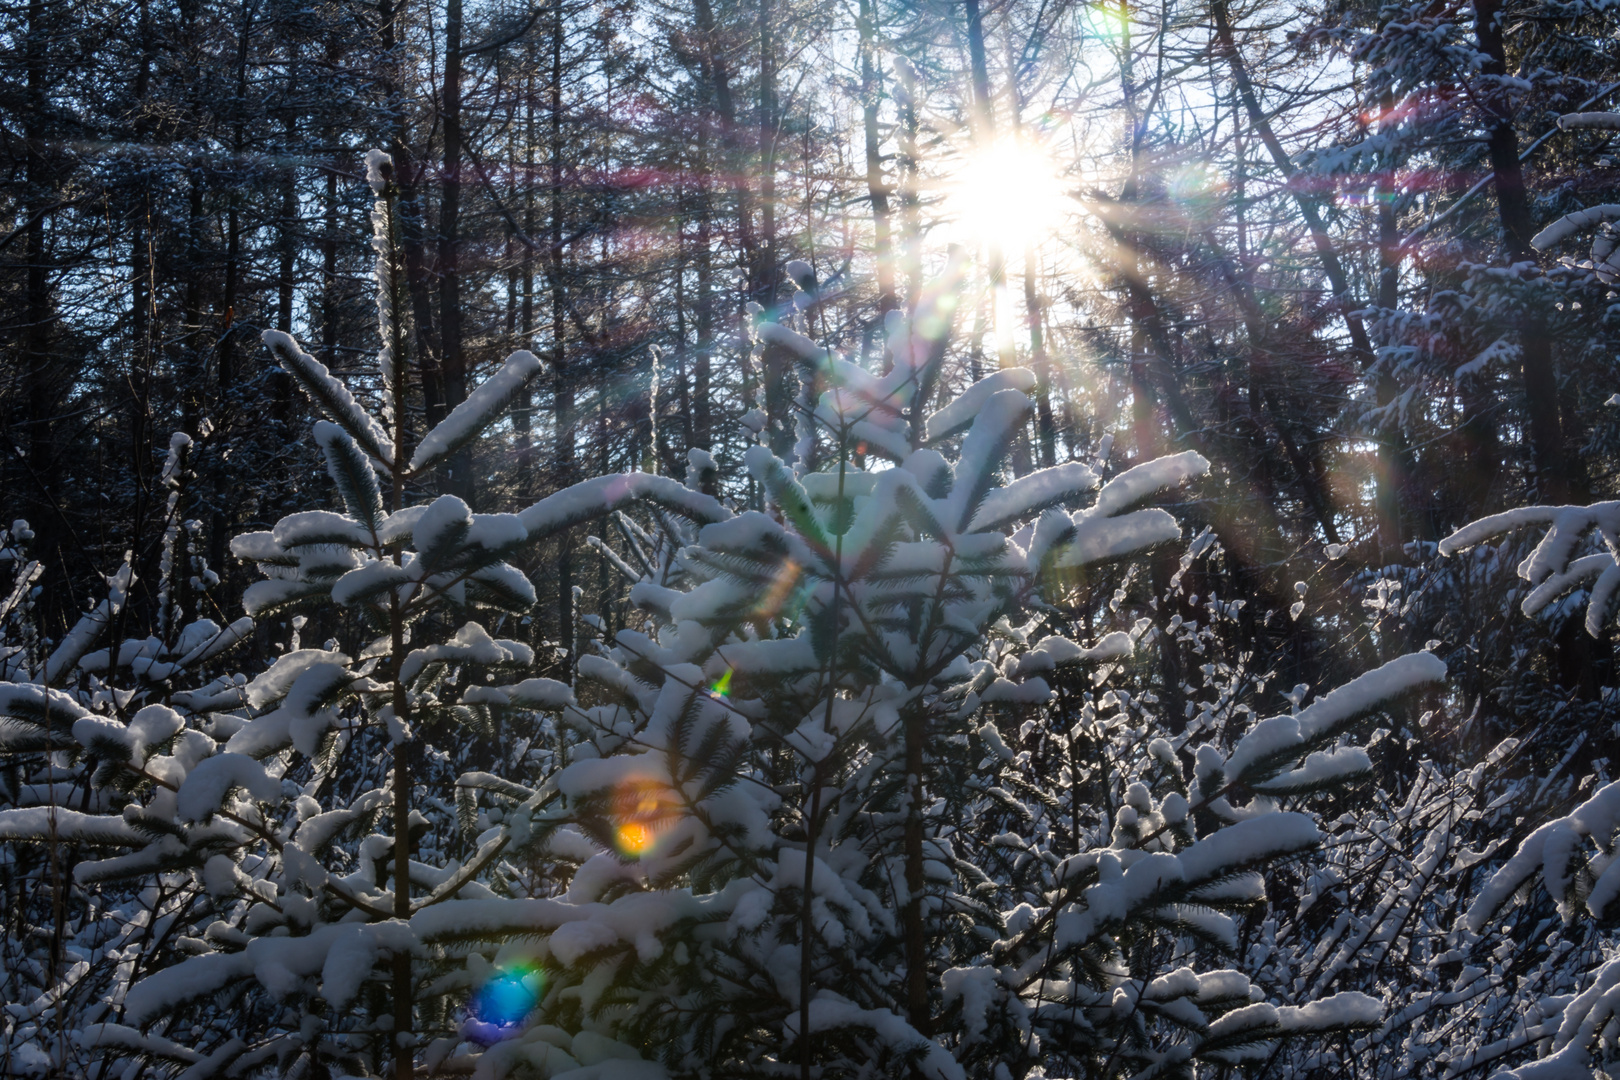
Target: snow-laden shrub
[1572, 856]
[92, 728]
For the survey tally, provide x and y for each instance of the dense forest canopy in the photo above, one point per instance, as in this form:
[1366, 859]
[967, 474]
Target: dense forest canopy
[783, 538]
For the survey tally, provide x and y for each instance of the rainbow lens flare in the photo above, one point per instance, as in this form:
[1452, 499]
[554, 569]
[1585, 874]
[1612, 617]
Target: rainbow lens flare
[722, 685]
[500, 1006]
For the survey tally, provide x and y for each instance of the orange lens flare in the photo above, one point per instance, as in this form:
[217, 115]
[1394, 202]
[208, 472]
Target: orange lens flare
[771, 604]
[643, 808]
[634, 838]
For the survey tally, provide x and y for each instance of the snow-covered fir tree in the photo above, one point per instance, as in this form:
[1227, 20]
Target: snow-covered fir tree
[805, 841]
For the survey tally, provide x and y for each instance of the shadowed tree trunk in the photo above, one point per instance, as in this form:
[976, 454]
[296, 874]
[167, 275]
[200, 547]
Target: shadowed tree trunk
[1388, 467]
[452, 352]
[1513, 205]
[562, 380]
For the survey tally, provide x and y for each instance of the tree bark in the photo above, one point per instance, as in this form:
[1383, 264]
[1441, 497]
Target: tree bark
[1046, 428]
[1394, 457]
[703, 362]
[225, 359]
[767, 272]
[877, 191]
[910, 196]
[1326, 252]
[452, 354]
[562, 384]
[984, 137]
[413, 230]
[523, 405]
[287, 219]
[1538, 368]
[40, 374]
[403, 983]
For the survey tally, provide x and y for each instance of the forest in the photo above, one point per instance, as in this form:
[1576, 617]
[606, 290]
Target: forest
[820, 539]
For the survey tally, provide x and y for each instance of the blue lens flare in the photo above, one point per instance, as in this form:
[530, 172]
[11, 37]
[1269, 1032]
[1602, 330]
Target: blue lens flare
[500, 1006]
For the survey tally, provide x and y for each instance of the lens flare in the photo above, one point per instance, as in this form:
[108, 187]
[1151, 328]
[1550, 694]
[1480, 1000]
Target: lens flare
[776, 597]
[722, 685]
[497, 1011]
[634, 838]
[643, 808]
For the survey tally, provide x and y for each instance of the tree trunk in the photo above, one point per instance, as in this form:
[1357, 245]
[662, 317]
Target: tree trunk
[562, 386]
[1045, 425]
[1513, 204]
[190, 360]
[984, 137]
[910, 196]
[914, 926]
[287, 222]
[1394, 464]
[225, 363]
[1326, 253]
[329, 281]
[523, 405]
[42, 379]
[409, 208]
[877, 191]
[725, 107]
[1046, 429]
[452, 355]
[226, 355]
[404, 991]
[767, 273]
[702, 367]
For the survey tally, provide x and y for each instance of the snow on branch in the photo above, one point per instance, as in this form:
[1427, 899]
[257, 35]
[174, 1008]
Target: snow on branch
[41, 823]
[605, 494]
[1553, 567]
[211, 781]
[1148, 479]
[1278, 740]
[958, 416]
[1570, 224]
[1030, 494]
[828, 1013]
[379, 168]
[1550, 851]
[329, 395]
[77, 641]
[1600, 120]
[482, 408]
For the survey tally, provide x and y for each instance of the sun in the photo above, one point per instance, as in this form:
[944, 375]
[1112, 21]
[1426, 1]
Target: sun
[1007, 194]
